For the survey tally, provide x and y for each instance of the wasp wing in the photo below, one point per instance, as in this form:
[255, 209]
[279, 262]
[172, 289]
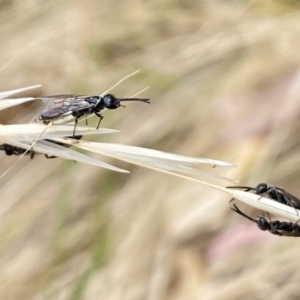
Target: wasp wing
[287, 233]
[295, 201]
[61, 105]
[285, 228]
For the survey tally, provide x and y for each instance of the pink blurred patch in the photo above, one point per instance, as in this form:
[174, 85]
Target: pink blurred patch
[236, 237]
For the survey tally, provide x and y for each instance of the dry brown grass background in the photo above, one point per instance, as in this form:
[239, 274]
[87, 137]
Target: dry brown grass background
[225, 84]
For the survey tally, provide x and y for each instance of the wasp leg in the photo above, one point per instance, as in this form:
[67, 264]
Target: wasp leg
[50, 156]
[100, 119]
[32, 155]
[76, 121]
[260, 197]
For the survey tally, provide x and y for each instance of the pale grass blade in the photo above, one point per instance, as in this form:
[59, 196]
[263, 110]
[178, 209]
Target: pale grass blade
[158, 161]
[17, 91]
[33, 130]
[6, 103]
[138, 152]
[63, 152]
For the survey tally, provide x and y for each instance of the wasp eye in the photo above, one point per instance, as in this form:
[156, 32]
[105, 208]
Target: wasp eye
[111, 102]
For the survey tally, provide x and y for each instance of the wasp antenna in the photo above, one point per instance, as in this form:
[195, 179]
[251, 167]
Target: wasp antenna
[269, 217]
[135, 99]
[232, 199]
[247, 188]
[235, 209]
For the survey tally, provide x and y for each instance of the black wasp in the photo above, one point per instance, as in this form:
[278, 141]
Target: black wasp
[14, 150]
[273, 192]
[59, 106]
[275, 227]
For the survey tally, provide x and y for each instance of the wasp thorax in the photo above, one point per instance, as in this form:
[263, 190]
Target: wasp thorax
[111, 102]
[92, 100]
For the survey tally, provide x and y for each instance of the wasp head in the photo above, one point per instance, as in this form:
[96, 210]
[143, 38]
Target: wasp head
[262, 223]
[261, 188]
[112, 102]
[8, 149]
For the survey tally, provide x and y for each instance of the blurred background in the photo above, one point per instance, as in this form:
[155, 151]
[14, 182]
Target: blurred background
[224, 84]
